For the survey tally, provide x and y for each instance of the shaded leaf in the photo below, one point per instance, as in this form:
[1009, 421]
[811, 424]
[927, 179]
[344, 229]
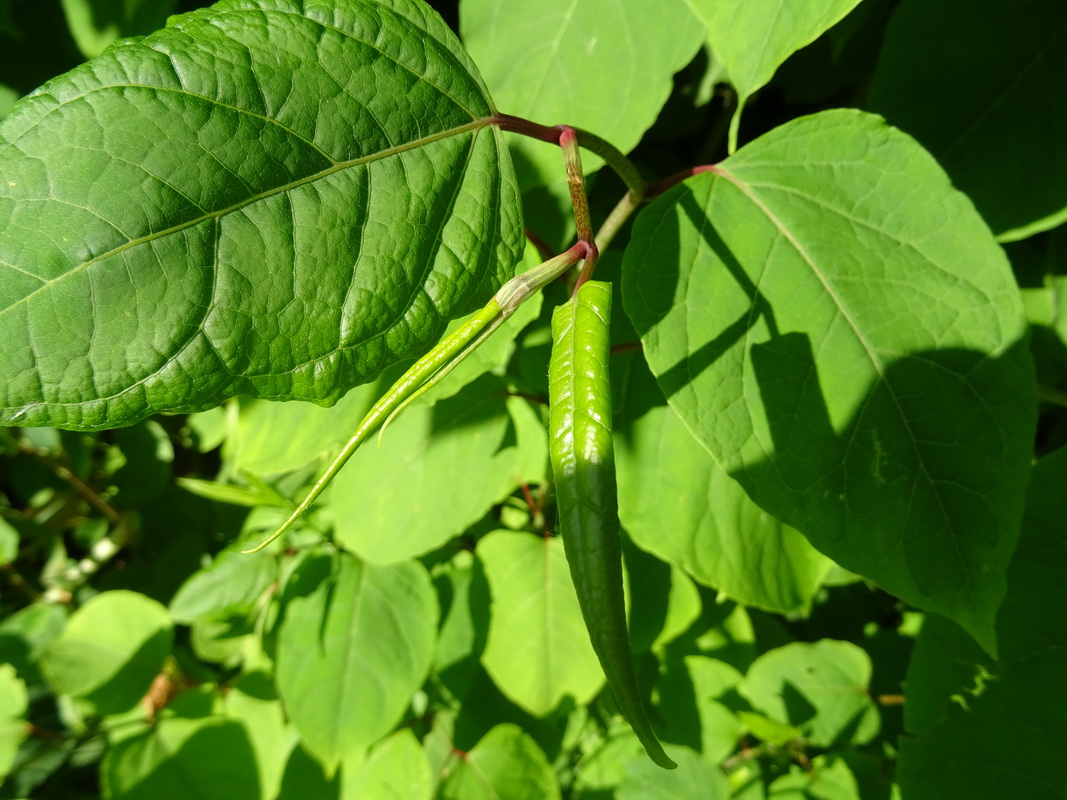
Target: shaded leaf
[209, 758]
[97, 23]
[856, 363]
[252, 701]
[676, 502]
[13, 726]
[979, 83]
[309, 195]
[820, 688]
[1004, 731]
[538, 650]
[110, 651]
[352, 650]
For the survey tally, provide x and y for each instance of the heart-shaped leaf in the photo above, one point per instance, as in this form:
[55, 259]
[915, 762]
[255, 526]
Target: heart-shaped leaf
[269, 197]
[834, 322]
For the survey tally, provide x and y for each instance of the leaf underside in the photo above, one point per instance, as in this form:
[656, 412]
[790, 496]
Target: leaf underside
[273, 198]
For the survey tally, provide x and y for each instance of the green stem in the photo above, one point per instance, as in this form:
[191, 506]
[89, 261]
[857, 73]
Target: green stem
[615, 159]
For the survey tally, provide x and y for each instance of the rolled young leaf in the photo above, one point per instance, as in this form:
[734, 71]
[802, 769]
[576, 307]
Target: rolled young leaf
[583, 467]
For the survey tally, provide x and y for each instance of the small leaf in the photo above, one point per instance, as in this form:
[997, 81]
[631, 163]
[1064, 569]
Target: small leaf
[352, 650]
[752, 38]
[538, 649]
[854, 361]
[820, 688]
[506, 763]
[397, 769]
[978, 83]
[268, 198]
[111, 650]
[232, 582]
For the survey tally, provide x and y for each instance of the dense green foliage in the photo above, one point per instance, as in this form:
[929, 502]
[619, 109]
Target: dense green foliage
[838, 362]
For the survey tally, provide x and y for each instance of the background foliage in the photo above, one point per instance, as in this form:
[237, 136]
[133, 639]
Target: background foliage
[417, 635]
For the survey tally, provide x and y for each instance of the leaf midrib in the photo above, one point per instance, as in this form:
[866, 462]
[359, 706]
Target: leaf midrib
[216, 215]
[747, 191]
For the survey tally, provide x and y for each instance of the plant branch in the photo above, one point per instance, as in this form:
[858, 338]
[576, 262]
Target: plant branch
[83, 489]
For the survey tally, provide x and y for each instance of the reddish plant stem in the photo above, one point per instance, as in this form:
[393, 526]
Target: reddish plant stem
[524, 127]
[572, 159]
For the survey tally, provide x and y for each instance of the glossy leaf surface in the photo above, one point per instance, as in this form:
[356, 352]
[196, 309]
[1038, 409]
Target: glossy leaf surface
[855, 363]
[309, 195]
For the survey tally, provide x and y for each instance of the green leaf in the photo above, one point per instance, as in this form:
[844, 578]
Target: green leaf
[506, 763]
[575, 69]
[232, 582]
[438, 469]
[253, 702]
[752, 38]
[820, 688]
[97, 23]
[13, 725]
[9, 542]
[209, 758]
[978, 84]
[397, 769]
[26, 634]
[538, 649]
[698, 706]
[826, 778]
[695, 778]
[269, 198]
[664, 601]
[305, 777]
[854, 361]
[710, 527]
[1004, 733]
[464, 596]
[352, 651]
[111, 650]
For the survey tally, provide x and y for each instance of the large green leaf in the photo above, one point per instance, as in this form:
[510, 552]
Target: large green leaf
[752, 38]
[538, 650]
[506, 763]
[438, 470]
[1004, 732]
[352, 650]
[273, 198]
[980, 83]
[232, 582]
[834, 322]
[675, 501]
[111, 650]
[603, 65]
